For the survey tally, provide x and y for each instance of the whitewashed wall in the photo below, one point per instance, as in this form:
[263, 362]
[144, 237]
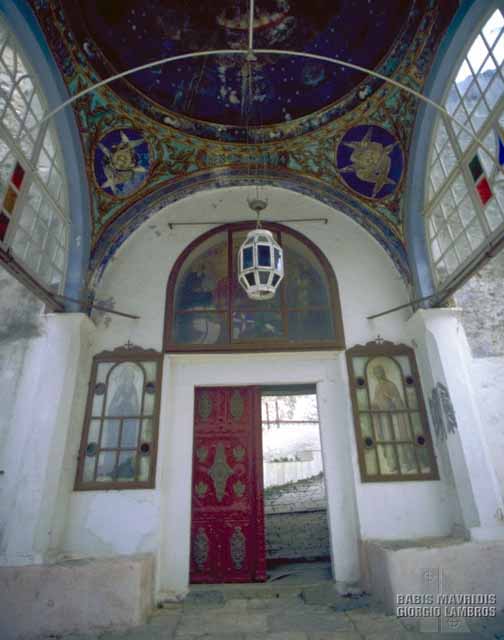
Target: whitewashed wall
[103, 523]
[489, 385]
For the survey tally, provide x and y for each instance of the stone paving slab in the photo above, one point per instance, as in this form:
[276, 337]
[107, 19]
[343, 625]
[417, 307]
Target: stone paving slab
[218, 622]
[309, 619]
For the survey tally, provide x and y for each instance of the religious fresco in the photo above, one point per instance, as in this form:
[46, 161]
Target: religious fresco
[121, 34]
[121, 162]
[301, 310]
[312, 152]
[370, 161]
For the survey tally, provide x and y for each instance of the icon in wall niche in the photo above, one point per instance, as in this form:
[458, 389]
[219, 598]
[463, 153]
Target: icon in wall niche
[370, 161]
[121, 162]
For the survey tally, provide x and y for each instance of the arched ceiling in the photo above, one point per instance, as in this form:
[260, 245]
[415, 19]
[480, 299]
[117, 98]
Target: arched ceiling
[120, 34]
[335, 135]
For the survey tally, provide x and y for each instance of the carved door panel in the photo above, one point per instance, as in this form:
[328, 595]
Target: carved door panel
[227, 533]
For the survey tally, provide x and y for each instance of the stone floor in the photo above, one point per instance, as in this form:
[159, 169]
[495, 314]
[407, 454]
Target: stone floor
[299, 604]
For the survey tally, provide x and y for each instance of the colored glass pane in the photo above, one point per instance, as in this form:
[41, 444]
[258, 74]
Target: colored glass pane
[17, 176]
[4, 223]
[10, 200]
[484, 190]
[501, 151]
[475, 168]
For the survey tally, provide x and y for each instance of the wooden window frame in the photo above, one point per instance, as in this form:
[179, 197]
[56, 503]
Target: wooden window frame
[389, 350]
[133, 354]
[260, 344]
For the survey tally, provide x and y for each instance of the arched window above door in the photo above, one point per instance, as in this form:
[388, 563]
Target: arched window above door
[207, 309]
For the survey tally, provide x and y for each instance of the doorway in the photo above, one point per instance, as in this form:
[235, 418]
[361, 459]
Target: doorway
[249, 508]
[295, 501]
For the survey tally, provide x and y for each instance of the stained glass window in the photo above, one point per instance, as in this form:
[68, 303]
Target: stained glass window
[392, 433]
[465, 190]
[120, 433]
[33, 196]
[209, 310]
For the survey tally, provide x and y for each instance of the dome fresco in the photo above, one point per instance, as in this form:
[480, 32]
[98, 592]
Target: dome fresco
[339, 136]
[121, 34]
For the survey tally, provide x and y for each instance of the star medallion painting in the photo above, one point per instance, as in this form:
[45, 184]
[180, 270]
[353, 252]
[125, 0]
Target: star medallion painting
[121, 162]
[370, 161]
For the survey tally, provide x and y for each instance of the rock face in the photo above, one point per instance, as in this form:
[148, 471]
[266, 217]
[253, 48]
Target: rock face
[296, 520]
[482, 303]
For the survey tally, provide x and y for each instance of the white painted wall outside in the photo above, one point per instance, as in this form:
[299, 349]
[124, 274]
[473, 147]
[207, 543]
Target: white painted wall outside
[489, 386]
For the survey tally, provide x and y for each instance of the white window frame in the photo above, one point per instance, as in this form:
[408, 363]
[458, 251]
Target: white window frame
[461, 168]
[32, 177]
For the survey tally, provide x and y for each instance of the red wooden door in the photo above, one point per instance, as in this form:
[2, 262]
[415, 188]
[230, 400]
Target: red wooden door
[227, 532]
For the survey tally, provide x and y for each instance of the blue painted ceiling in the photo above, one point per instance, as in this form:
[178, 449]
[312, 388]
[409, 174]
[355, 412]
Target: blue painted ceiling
[120, 34]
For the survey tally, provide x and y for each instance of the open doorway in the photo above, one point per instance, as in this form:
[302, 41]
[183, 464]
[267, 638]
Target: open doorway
[295, 501]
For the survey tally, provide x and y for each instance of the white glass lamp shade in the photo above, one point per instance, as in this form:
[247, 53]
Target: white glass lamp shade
[260, 265]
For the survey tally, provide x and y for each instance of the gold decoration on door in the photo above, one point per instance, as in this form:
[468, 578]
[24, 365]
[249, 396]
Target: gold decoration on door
[200, 548]
[205, 406]
[238, 453]
[239, 489]
[220, 472]
[237, 405]
[202, 453]
[201, 489]
[238, 551]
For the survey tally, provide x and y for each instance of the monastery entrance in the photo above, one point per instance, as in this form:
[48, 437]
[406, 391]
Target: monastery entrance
[227, 529]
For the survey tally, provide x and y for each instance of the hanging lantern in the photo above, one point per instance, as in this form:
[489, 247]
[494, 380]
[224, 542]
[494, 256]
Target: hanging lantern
[260, 261]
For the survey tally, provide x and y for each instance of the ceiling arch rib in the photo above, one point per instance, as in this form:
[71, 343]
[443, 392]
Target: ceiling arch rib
[130, 220]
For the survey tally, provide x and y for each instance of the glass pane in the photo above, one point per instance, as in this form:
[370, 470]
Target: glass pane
[384, 427]
[493, 27]
[249, 325]
[105, 471]
[310, 325]
[147, 428]
[424, 459]
[263, 255]
[110, 434]
[149, 404]
[97, 405]
[366, 426]
[202, 282]
[362, 399]
[144, 471]
[89, 467]
[387, 459]
[385, 384]
[200, 328]
[305, 279]
[248, 258]
[126, 467]
[359, 366]
[102, 370]
[129, 436]
[401, 426]
[94, 431]
[416, 423]
[150, 368]
[371, 462]
[411, 396]
[125, 389]
[407, 458]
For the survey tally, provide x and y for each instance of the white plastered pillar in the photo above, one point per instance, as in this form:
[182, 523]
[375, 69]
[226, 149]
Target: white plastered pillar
[38, 438]
[441, 340]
